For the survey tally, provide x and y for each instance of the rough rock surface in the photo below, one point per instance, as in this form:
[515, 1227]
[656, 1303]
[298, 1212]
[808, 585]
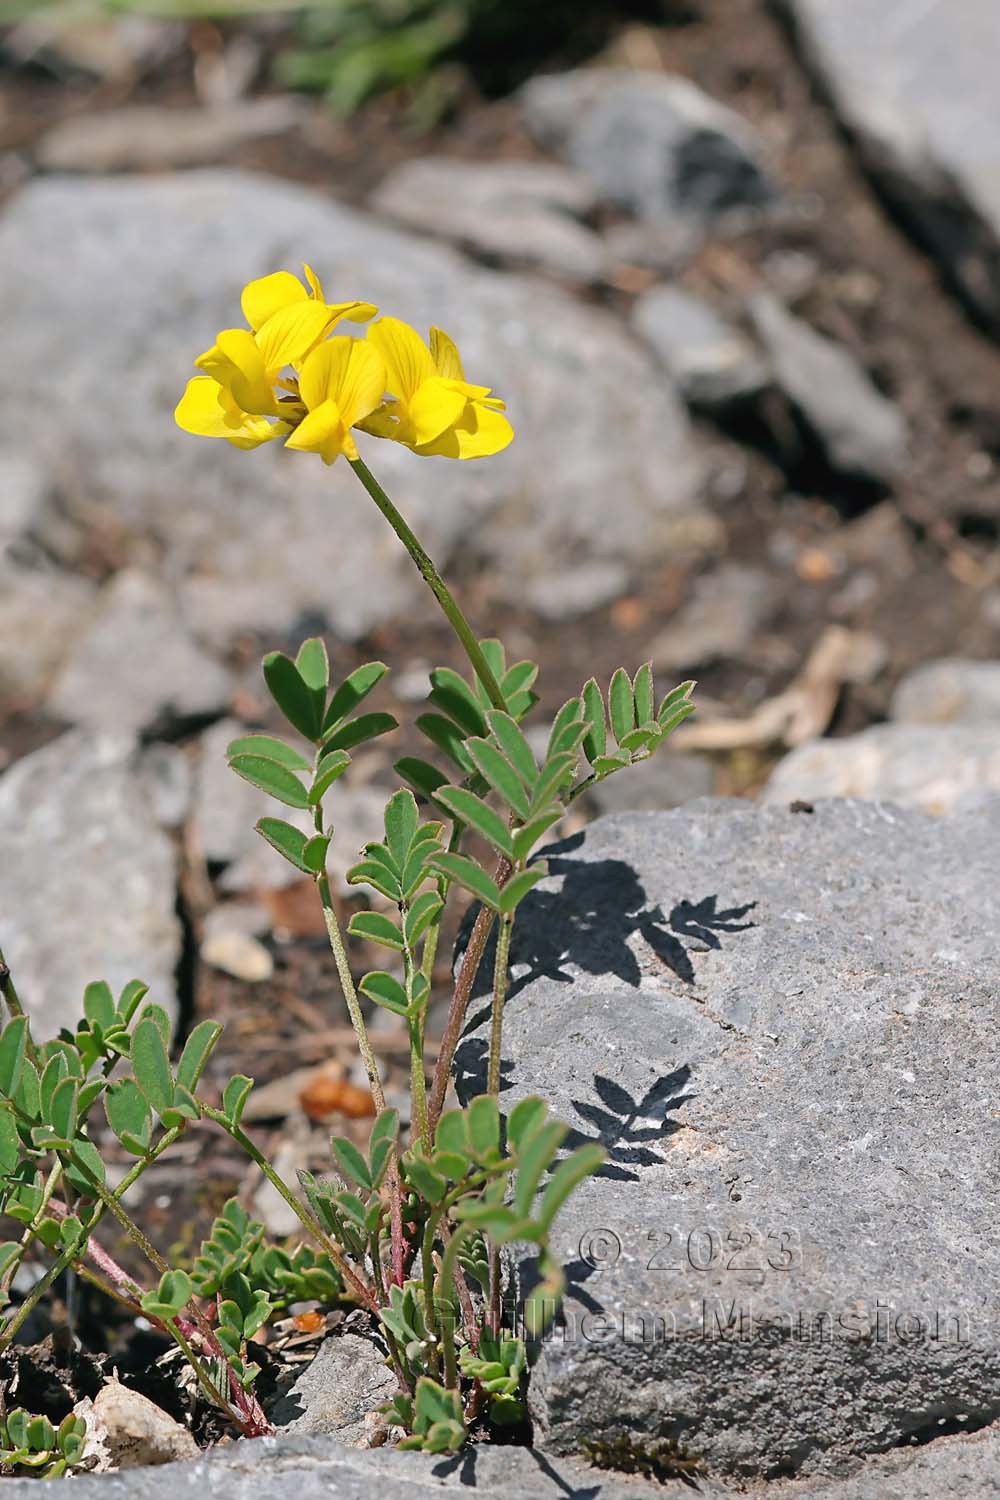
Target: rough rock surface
[87, 878]
[915, 82]
[137, 668]
[779, 1025]
[339, 1393]
[930, 766]
[861, 432]
[524, 212]
[652, 143]
[120, 283]
[712, 362]
[950, 691]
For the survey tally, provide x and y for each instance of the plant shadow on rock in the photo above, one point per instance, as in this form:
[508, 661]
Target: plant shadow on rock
[464, 1465]
[602, 905]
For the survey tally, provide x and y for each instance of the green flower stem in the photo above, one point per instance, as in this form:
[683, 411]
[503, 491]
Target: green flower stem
[350, 993]
[460, 1001]
[360, 1288]
[76, 1249]
[448, 1280]
[215, 1396]
[427, 1270]
[499, 996]
[51, 1183]
[434, 581]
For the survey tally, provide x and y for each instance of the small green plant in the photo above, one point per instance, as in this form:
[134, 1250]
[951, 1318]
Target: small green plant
[412, 1227]
[33, 1444]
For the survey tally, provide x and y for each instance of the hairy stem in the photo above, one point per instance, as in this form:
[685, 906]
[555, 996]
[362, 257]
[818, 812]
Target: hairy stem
[350, 993]
[471, 960]
[499, 996]
[435, 583]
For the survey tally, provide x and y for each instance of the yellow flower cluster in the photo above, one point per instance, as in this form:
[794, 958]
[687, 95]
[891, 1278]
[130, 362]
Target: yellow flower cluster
[285, 377]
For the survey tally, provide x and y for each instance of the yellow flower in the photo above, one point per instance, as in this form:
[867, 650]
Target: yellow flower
[240, 391]
[341, 383]
[431, 407]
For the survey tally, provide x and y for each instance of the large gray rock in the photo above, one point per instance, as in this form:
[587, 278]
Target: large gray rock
[117, 284]
[860, 431]
[526, 213]
[930, 766]
[137, 667]
[653, 143]
[915, 82]
[87, 878]
[950, 691]
[779, 1026]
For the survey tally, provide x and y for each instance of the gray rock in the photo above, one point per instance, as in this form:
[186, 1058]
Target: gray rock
[225, 806]
[668, 779]
[860, 431]
[777, 1024]
[663, 248]
[712, 363]
[314, 1468]
[42, 611]
[168, 782]
[23, 491]
[87, 879]
[339, 1392]
[257, 540]
[726, 608]
[142, 136]
[136, 667]
[915, 83]
[951, 691]
[927, 766]
[523, 212]
[569, 592]
[653, 143]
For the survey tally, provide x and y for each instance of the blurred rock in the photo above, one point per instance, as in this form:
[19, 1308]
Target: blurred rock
[915, 84]
[668, 779]
[114, 50]
[125, 1430]
[652, 143]
[166, 777]
[951, 691]
[711, 362]
[725, 609]
[42, 611]
[339, 1393]
[860, 431]
[142, 136]
[239, 955]
[23, 491]
[87, 878]
[663, 248]
[129, 279]
[136, 667]
[924, 766]
[573, 591]
[523, 212]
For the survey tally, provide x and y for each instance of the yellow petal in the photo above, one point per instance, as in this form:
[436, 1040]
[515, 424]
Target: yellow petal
[315, 285]
[479, 432]
[446, 356]
[387, 421]
[236, 363]
[349, 372]
[205, 410]
[288, 336]
[407, 358]
[436, 406]
[323, 431]
[263, 298]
